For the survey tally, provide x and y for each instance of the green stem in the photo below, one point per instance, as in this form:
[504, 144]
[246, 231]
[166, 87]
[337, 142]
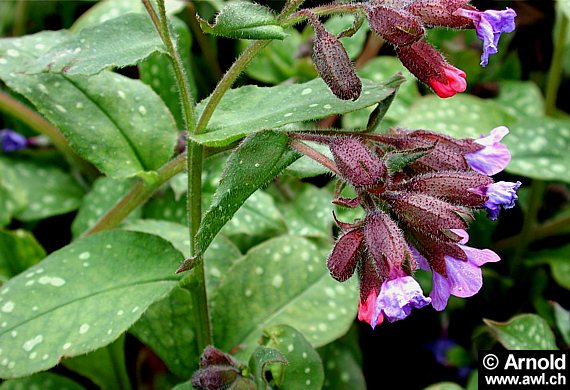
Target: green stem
[537, 189]
[138, 194]
[20, 18]
[36, 122]
[555, 71]
[323, 10]
[195, 281]
[227, 81]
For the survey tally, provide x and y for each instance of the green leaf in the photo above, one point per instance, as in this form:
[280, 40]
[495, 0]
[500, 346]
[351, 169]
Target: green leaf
[397, 161]
[562, 318]
[281, 281]
[539, 148]
[257, 160]
[258, 216]
[105, 366]
[342, 370]
[354, 44]
[219, 257]
[259, 361]
[525, 331]
[81, 298]
[166, 328]
[248, 109]
[19, 250]
[119, 42]
[307, 167]
[106, 192]
[521, 98]
[463, 116]
[42, 190]
[117, 123]
[13, 198]
[304, 368]
[444, 386]
[310, 213]
[157, 72]
[243, 20]
[109, 9]
[43, 381]
[558, 261]
[276, 62]
[380, 69]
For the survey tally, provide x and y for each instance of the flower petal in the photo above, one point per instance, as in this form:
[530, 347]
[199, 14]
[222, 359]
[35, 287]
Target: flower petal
[366, 310]
[398, 297]
[494, 156]
[440, 291]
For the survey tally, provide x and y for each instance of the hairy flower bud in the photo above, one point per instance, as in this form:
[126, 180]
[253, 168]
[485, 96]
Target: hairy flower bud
[333, 64]
[425, 212]
[441, 13]
[385, 242]
[356, 162]
[428, 65]
[452, 186]
[345, 254]
[398, 27]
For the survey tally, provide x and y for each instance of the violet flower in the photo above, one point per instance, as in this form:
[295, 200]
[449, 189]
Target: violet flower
[397, 298]
[464, 278]
[12, 141]
[494, 156]
[489, 26]
[502, 193]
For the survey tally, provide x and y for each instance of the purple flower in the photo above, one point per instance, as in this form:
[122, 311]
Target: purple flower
[397, 298]
[502, 193]
[489, 26]
[464, 278]
[494, 156]
[12, 141]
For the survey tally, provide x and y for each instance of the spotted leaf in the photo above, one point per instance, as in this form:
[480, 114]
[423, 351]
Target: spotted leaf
[248, 109]
[81, 298]
[525, 331]
[304, 369]
[282, 281]
[117, 123]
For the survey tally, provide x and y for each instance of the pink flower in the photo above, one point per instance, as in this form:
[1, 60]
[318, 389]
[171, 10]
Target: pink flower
[397, 298]
[366, 310]
[455, 82]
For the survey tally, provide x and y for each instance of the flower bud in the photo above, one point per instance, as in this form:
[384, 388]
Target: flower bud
[428, 65]
[398, 27]
[440, 13]
[427, 213]
[385, 242]
[345, 254]
[356, 162]
[333, 64]
[452, 186]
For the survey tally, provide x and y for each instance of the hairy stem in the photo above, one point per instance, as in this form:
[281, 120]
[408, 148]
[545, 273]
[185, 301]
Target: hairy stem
[138, 194]
[227, 81]
[315, 155]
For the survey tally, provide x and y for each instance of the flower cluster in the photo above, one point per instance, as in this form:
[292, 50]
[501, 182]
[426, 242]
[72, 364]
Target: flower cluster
[419, 190]
[402, 23]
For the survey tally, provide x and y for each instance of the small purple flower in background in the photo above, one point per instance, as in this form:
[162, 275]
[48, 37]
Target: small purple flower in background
[12, 141]
[494, 156]
[489, 26]
[502, 193]
[398, 297]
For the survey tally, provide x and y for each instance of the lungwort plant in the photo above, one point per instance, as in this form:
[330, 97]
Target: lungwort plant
[200, 198]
